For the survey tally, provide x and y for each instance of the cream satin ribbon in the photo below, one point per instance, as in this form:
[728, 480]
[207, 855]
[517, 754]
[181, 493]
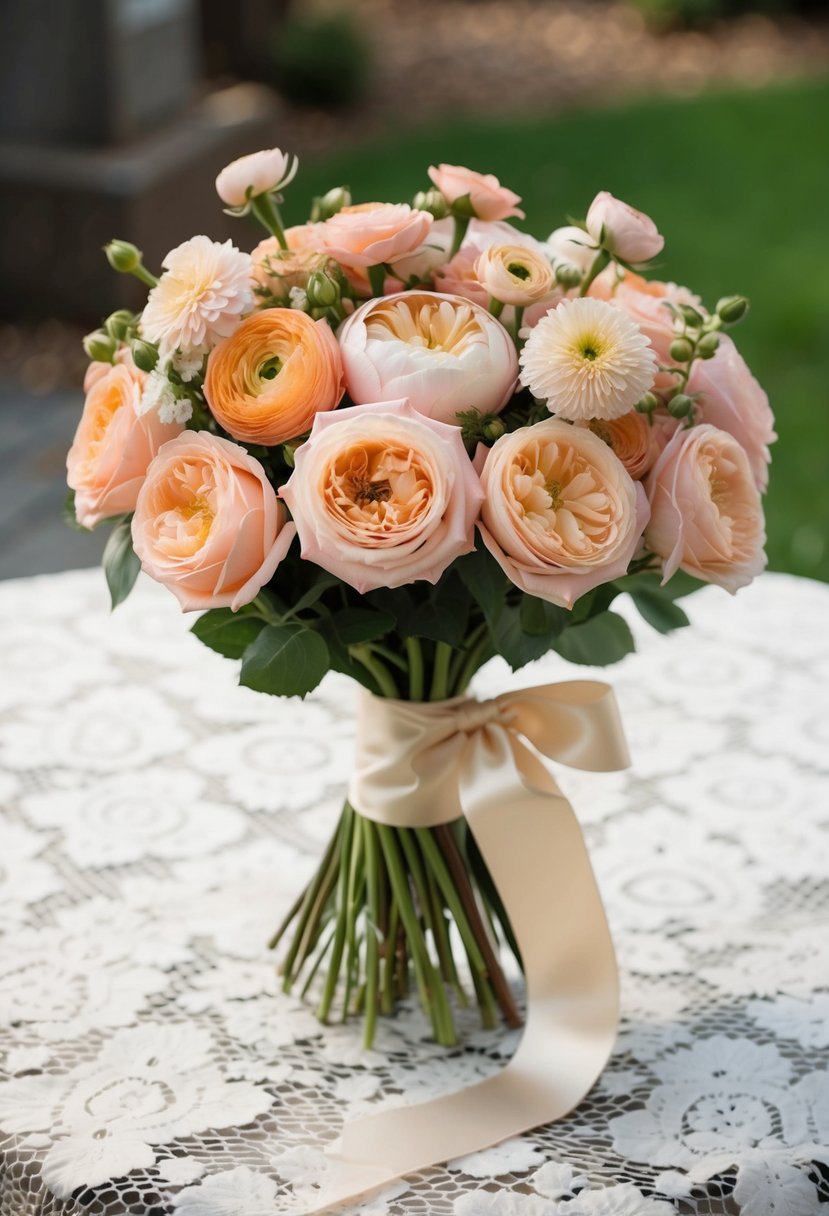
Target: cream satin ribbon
[420, 765]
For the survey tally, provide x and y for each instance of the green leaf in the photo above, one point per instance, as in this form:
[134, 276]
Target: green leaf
[228, 633]
[485, 580]
[659, 610]
[541, 619]
[513, 643]
[285, 661]
[314, 592]
[355, 625]
[121, 565]
[597, 642]
[69, 516]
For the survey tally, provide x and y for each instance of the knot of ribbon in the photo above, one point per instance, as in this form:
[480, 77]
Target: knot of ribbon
[423, 764]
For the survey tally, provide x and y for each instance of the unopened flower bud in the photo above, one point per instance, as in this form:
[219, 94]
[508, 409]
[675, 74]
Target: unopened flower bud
[707, 346]
[681, 406]
[322, 291]
[100, 347]
[119, 324]
[568, 275]
[691, 316]
[648, 403]
[493, 428]
[144, 355]
[732, 309]
[681, 350]
[431, 201]
[330, 203]
[123, 256]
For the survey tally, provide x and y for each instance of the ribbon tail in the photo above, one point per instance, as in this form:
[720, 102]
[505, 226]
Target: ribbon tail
[531, 840]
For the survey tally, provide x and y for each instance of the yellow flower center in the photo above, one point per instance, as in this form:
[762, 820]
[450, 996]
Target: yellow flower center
[436, 325]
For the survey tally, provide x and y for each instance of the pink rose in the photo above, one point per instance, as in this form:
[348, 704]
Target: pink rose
[626, 232]
[646, 302]
[208, 524]
[257, 173]
[374, 233]
[561, 513]
[113, 447]
[442, 353]
[489, 199]
[706, 511]
[383, 496]
[731, 399]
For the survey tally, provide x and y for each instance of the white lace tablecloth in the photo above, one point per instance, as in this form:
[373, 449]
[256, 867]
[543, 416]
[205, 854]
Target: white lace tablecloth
[157, 819]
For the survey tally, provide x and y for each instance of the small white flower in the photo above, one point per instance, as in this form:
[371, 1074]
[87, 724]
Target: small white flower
[159, 396]
[258, 173]
[298, 298]
[586, 359]
[205, 291]
[188, 364]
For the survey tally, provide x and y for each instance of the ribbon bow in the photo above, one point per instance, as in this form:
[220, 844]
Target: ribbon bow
[423, 764]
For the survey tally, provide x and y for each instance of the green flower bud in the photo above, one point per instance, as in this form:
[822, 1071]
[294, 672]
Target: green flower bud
[691, 316]
[681, 406]
[431, 201]
[100, 347]
[648, 403]
[144, 355]
[493, 428]
[567, 275]
[330, 203]
[119, 324]
[123, 256]
[707, 346]
[732, 309]
[682, 350]
[322, 291]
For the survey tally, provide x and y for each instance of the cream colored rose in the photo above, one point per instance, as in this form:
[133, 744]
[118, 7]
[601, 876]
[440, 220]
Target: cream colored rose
[257, 173]
[513, 274]
[561, 514]
[706, 511]
[113, 446]
[382, 496]
[442, 353]
[208, 524]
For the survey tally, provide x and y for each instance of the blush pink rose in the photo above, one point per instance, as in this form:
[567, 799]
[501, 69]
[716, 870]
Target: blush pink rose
[561, 513]
[646, 302]
[371, 234]
[208, 524]
[441, 353]
[383, 496]
[113, 447]
[706, 511]
[489, 199]
[628, 234]
[731, 399]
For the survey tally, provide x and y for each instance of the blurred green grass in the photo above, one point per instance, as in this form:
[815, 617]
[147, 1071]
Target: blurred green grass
[739, 185]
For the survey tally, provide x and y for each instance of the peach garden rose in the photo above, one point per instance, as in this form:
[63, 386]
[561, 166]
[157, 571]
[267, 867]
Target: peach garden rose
[371, 234]
[561, 513]
[208, 524]
[383, 496]
[113, 446]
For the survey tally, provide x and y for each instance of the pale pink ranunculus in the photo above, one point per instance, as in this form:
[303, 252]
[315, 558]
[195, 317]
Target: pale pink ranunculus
[730, 398]
[113, 447]
[561, 513]
[383, 496]
[208, 524]
[457, 277]
[571, 246]
[513, 274]
[422, 263]
[628, 234]
[257, 173]
[371, 234]
[706, 511]
[647, 302]
[442, 353]
[488, 198]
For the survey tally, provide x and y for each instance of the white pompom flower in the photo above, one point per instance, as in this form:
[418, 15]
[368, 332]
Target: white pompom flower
[586, 359]
[205, 291]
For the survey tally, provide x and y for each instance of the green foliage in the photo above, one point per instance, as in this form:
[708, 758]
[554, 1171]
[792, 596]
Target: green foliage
[599, 641]
[439, 613]
[354, 625]
[485, 581]
[69, 516]
[228, 633]
[321, 58]
[121, 566]
[285, 660]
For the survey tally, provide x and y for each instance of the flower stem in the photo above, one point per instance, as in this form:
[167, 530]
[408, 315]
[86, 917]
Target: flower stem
[377, 279]
[461, 225]
[346, 836]
[601, 260]
[415, 656]
[440, 672]
[372, 930]
[267, 212]
[380, 673]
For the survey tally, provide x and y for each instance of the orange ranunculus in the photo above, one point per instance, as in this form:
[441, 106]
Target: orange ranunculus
[267, 381]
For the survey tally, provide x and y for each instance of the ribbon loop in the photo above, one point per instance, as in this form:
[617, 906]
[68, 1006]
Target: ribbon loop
[419, 765]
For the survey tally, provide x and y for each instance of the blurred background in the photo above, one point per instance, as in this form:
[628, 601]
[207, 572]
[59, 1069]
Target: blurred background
[116, 115]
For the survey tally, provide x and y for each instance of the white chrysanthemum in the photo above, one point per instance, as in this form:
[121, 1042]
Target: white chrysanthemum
[586, 359]
[205, 291]
[159, 395]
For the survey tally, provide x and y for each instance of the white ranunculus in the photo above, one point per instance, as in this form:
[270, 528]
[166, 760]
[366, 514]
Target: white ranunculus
[258, 173]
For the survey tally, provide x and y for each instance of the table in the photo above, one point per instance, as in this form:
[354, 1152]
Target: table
[158, 818]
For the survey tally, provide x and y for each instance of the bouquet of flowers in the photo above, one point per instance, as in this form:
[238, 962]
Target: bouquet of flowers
[393, 442]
